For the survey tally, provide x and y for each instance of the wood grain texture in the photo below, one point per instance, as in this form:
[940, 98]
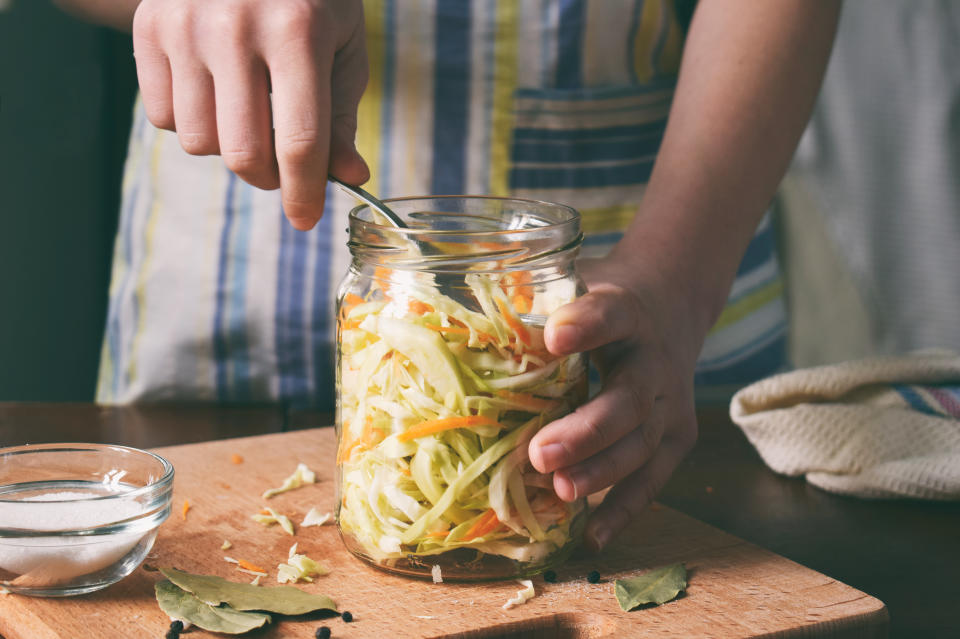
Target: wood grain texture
[736, 589]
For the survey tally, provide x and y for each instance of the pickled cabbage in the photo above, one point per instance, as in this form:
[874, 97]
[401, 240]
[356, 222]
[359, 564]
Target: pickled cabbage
[438, 403]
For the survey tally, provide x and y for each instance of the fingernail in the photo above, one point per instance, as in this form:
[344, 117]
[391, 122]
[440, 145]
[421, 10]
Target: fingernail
[561, 480]
[573, 477]
[302, 223]
[552, 456]
[566, 337]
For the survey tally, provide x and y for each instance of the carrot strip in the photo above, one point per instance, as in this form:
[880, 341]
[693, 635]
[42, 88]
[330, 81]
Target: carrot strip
[350, 300]
[369, 438]
[438, 533]
[522, 302]
[483, 526]
[485, 337]
[522, 293]
[432, 426]
[186, 507]
[345, 444]
[419, 308]
[514, 323]
[348, 451]
[349, 325]
[243, 563]
[518, 278]
[236, 459]
[532, 401]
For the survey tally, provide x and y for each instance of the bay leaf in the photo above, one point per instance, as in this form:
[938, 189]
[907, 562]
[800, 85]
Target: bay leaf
[654, 587]
[283, 600]
[182, 605]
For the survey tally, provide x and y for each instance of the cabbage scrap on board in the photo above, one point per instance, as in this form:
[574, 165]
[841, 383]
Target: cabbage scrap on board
[438, 403]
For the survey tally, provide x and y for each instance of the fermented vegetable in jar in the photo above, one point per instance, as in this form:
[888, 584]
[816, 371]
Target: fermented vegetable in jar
[442, 380]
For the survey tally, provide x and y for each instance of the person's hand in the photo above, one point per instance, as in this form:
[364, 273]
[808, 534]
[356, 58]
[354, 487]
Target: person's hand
[636, 430]
[207, 69]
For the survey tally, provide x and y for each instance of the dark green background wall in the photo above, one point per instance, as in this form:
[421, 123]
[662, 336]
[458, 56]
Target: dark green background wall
[66, 90]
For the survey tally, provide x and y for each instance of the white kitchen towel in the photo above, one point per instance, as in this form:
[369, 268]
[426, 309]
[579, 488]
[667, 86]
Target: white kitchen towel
[879, 427]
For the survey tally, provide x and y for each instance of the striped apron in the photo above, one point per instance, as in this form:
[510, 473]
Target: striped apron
[215, 297]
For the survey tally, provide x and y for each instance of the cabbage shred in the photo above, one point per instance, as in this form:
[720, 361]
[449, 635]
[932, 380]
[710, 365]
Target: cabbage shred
[437, 405]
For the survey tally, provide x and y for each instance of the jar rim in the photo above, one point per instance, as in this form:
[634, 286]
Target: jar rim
[571, 221]
[502, 233]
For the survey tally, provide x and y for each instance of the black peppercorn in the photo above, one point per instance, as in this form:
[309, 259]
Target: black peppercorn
[172, 634]
[594, 577]
[322, 633]
[176, 625]
[550, 576]
[346, 616]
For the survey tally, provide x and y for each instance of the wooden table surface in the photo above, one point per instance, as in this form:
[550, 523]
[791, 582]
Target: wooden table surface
[905, 553]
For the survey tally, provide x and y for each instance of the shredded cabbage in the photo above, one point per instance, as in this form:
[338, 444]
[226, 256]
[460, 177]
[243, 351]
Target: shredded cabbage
[523, 595]
[299, 568]
[302, 475]
[315, 518]
[271, 517]
[438, 403]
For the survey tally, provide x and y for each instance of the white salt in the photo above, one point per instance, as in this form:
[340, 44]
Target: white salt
[53, 559]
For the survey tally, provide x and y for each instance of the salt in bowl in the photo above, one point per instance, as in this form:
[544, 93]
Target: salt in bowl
[75, 518]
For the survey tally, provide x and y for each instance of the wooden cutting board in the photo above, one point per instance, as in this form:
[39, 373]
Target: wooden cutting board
[735, 589]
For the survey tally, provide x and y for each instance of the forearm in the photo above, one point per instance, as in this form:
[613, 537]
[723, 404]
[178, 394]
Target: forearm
[748, 81]
[112, 13]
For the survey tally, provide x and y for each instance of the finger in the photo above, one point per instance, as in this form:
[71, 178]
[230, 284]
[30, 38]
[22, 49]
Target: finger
[244, 128]
[598, 318]
[153, 71]
[624, 403]
[194, 110]
[345, 162]
[348, 81]
[627, 499]
[300, 77]
[613, 463]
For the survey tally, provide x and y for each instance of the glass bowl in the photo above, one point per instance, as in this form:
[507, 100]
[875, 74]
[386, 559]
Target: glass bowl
[75, 518]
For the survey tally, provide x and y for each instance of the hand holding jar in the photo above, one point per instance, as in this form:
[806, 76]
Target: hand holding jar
[635, 432]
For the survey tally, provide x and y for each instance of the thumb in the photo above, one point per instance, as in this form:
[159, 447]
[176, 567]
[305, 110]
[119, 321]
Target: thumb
[602, 316]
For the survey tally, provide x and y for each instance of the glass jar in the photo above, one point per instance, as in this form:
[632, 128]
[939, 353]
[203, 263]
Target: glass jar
[443, 379]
